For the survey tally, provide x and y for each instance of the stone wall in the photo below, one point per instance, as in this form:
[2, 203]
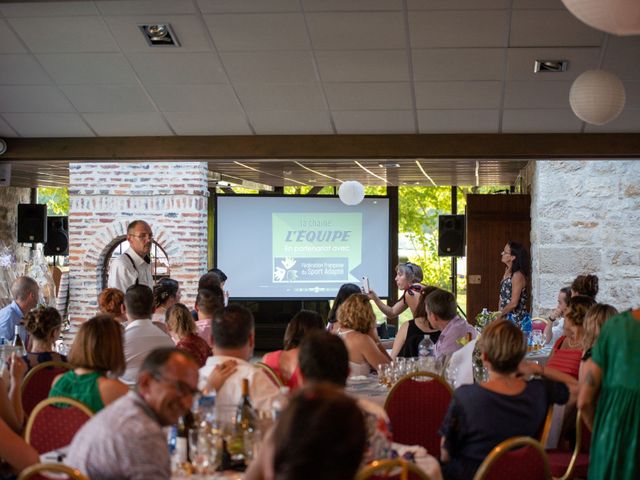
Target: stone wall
[585, 218]
[105, 197]
[10, 197]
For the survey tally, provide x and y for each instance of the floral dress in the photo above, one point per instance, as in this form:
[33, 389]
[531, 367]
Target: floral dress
[519, 312]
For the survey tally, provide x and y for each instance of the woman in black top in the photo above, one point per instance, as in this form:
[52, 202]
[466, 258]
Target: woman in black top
[412, 332]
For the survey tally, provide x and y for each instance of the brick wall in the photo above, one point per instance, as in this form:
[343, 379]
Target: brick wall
[585, 218]
[105, 197]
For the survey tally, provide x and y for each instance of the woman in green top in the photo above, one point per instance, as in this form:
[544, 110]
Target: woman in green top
[96, 351]
[611, 390]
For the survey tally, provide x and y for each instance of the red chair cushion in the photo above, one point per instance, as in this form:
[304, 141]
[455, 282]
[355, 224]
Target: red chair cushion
[54, 427]
[559, 461]
[37, 389]
[522, 463]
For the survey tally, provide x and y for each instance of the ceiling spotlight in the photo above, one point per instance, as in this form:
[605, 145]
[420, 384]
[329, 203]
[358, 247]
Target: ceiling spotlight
[159, 34]
[389, 165]
[550, 66]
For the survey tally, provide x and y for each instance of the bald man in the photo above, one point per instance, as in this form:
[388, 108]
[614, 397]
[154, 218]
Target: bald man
[133, 267]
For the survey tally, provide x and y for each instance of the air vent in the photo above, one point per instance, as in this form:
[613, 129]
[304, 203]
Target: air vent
[159, 35]
[550, 66]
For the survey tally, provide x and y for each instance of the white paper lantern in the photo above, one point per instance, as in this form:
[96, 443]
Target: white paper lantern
[351, 192]
[597, 97]
[619, 17]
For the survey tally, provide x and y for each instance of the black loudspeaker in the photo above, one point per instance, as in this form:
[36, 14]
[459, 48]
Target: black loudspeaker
[58, 236]
[451, 236]
[32, 223]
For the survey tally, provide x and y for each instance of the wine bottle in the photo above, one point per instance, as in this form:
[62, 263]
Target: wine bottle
[246, 416]
[182, 441]
[18, 345]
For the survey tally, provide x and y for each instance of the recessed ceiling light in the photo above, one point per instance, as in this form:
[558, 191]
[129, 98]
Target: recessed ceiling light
[550, 66]
[389, 165]
[159, 35]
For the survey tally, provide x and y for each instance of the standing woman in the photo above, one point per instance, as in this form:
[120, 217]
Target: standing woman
[408, 278]
[513, 287]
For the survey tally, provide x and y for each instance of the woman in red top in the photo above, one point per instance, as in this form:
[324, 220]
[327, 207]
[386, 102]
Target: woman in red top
[182, 325]
[567, 351]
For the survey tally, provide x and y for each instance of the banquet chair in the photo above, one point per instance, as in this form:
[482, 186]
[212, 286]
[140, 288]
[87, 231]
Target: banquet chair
[416, 406]
[396, 468]
[518, 457]
[271, 373]
[546, 427]
[539, 323]
[54, 422]
[59, 471]
[37, 383]
[567, 464]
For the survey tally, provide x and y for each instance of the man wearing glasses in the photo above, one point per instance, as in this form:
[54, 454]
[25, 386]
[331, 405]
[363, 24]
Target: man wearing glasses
[133, 267]
[126, 440]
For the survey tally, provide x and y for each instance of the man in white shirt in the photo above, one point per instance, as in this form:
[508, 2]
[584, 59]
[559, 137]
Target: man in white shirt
[141, 336]
[133, 267]
[233, 336]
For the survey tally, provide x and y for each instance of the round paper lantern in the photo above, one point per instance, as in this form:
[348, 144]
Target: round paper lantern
[597, 97]
[619, 17]
[351, 192]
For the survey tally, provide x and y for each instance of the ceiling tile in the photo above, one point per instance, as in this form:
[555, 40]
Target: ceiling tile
[458, 121]
[540, 121]
[457, 4]
[6, 130]
[208, 123]
[145, 7]
[9, 42]
[350, 5]
[127, 124]
[632, 90]
[248, 6]
[361, 30]
[544, 95]
[36, 99]
[195, 98]
[371, 121]
[107, 98]
[546, 28]
[363, 66]
[48, 124]
[189, 29]
[88, 68]
[369, 96]
[21, 70]
[465, 95]
[64, 34]
[275, 96]
[257, 32]
[293, 123]
[447, 64]
[520, 62]
[165, 67]
[47, 9]
[622, 57]
[461, 28]
[627, 121]
[278, 67]
[538, 4]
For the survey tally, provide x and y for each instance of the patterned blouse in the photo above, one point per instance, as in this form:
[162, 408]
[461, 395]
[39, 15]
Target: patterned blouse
[519, 312]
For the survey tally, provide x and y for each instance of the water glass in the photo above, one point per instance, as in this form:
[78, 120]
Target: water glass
[538, 339]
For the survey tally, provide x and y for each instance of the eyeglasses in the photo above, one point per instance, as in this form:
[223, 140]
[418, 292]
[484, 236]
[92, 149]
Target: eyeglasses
[182, 387]
[143, 236]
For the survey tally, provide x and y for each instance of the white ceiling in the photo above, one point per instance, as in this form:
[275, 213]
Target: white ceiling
[82, 68]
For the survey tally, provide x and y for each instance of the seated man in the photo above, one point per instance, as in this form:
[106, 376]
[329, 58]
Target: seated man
[455, 331]
[126, 440]
[25, 292]
[233, 336]
[141, 335]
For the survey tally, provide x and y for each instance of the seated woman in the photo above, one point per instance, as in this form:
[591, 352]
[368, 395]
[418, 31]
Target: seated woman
[408, 278]
[594, 319]
[166, 293]
[96, 352]
[586, 285]
[285, 362]
[346, 290]
[481, 416]
[567, 351]
[111, 302]
[555, 327]
[182, 328]
[44, 325]
[356, 322]
[412, 332]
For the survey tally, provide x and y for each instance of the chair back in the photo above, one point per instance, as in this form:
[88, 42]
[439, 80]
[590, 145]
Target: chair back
[519, 457]
[391, 469]
[539, 323]
[416, 406]
[271, 373]
[54, 422]
[546, 427]
[59, 470]
[37, 383]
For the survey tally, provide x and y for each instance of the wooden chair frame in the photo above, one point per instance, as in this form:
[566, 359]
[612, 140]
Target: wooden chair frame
[506, 446]
[41, 366]
[413, 375]
[387, 466]
[576, 450]
[49, 401]
[546, 321]
[271, 373]
[546, 429]
[73, 473]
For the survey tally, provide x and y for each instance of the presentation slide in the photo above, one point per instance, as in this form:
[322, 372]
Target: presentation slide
[300, 247]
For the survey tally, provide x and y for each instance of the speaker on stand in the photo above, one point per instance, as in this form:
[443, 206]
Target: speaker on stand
[451, 236]
[58, 236]
[32, 223]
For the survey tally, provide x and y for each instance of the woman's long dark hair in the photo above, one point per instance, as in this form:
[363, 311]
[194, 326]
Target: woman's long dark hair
[345, 292]
[521, 261]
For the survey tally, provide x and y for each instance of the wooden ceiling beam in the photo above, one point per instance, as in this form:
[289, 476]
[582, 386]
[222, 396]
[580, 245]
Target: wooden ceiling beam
[339, 147]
